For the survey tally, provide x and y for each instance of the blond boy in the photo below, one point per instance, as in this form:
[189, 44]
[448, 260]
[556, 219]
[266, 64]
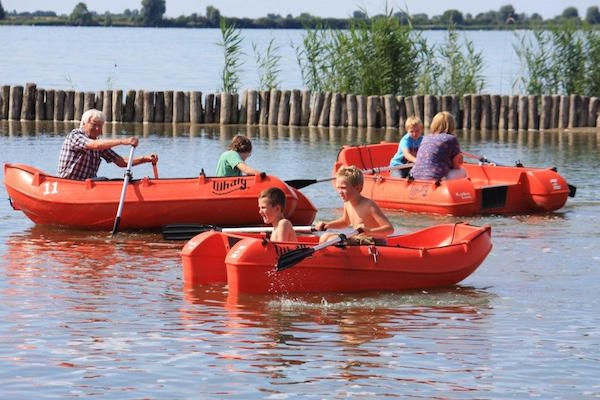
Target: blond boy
[408, 146]
[359, 212]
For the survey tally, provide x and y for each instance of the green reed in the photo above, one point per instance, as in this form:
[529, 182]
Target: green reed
[562, 60]
[231, 40]
[268, 65]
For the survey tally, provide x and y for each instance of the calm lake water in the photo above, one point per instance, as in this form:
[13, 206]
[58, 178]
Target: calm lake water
[83, 315]
[93, 58]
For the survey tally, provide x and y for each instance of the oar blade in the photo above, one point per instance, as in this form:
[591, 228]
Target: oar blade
[300, 183]
[185, 231]
[293, 257]
[572, 190]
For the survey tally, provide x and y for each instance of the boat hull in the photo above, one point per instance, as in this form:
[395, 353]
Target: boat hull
[149, 203]
[487, 189]
[438, 256]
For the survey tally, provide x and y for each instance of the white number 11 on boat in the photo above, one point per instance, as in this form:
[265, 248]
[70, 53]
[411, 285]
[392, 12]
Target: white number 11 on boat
[47, 186]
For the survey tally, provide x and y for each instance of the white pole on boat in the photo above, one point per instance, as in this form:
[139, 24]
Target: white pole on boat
[126, 180]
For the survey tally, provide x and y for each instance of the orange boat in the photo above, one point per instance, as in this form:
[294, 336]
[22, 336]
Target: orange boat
[488, 189]
[438, 256]
[149, 203]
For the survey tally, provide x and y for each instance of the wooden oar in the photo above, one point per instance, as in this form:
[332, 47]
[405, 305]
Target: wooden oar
[293, 257]
[188, 231]
[155, 169]
[302, 183]
[126, 179]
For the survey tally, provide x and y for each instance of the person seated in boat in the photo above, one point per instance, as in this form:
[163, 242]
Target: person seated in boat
[81, 151]
[439, 155]
[233, 161]
[408, 146]
[271, 203]
[359, 211]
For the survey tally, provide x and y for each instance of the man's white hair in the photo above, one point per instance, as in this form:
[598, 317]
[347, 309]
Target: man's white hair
[92, 115]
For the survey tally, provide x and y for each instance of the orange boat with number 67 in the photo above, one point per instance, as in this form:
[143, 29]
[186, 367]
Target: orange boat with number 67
[438, 256]
[487, 189]
[149, 203]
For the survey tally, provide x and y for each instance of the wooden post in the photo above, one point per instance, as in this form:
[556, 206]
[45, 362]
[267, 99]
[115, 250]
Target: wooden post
[409, 106]
[351, 110]
[467, 118]
[361, 111]
[283, 113]
[178, 105]
[343, 111]
[546, 113]
[324, 116]
[372, 103]
[585, 108]
[28, 106]
[69, 105]
[391, 111]
[533, 114]
[305, 114]
[495, 106]
[401, 112]
[274, 98]
[40, 106]
[78, 105]
[574, 105]
[89, 101]
[380, 112]
[455, 110]
[251, 110]
[430, 109]
[263, 104]
[158, 100]
[138, 107]
[49, 112]
[218, 101]
[117, 105]
[295, 107]
[168, 117]
[335, 112]
[523, 112]
[4, 101]
[107, 105]
[243, 110]
[16, 103]
[555, 111]
[486, 112]
[513, 112]
[186, 106]
[315, 112]
[59, 105]
[225, 115]
[563, 112]
[503, 113]
[196, 107]
[476, 112]
[148, 114]
[99, 100]
[593, 111]
[129, 110]
[418, 103]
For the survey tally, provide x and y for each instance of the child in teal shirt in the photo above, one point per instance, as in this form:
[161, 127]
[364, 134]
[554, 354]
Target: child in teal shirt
[232, 162]
[408, 146]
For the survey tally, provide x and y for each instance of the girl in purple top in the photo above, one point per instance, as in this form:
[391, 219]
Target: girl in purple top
[439, 155]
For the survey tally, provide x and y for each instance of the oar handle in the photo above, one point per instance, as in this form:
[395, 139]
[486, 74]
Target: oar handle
[155, 169]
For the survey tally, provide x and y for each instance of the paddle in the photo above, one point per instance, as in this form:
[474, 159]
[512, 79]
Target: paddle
[126, 179]
[188, 231]
[293, 257]
[155, 169]
[481, 159]
[302, 183]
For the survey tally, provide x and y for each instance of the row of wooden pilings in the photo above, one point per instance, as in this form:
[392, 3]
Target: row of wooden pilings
[300, 108]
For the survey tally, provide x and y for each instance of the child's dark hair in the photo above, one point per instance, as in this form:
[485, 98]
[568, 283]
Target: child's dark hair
[241, 144]
[274, 196]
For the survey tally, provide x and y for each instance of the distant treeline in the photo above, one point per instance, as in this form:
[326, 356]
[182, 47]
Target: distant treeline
[151, 14]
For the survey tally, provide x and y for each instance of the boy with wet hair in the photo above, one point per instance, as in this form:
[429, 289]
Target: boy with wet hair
[359, 212]
[271, 204]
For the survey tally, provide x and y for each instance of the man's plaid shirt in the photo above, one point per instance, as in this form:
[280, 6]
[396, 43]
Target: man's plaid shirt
[76, 161]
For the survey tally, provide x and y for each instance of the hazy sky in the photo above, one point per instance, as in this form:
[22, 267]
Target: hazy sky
[325, 8]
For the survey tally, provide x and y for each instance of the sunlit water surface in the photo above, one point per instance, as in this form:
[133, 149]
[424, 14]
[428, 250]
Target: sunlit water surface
[85, 315]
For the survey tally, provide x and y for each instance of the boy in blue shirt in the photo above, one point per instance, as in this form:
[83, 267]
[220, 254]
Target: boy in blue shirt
[409, 144]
